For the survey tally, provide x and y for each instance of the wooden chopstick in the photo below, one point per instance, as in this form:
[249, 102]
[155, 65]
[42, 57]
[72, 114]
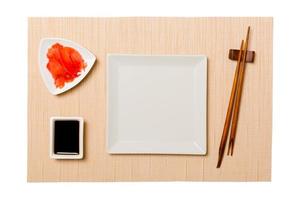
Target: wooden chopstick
[238, 98]
[229, 109]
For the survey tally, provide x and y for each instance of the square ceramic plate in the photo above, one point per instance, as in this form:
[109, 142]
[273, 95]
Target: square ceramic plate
[156, 104]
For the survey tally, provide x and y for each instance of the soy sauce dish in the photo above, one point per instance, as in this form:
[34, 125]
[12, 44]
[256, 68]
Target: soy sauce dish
[66, 137]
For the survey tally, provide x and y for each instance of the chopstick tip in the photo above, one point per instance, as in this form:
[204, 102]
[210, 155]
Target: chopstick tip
[219, 162]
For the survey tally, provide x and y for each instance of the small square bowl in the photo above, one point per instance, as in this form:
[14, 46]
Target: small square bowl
[66, 155]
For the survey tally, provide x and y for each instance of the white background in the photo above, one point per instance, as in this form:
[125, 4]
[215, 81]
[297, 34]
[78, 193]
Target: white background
[13, 100]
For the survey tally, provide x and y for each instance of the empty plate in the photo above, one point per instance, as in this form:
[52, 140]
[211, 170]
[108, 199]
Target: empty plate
[156, 104]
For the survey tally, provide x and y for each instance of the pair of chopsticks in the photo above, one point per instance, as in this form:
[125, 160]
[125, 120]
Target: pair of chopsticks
[234, 102]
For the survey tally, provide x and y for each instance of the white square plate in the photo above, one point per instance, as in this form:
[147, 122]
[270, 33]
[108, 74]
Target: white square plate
[156, 104]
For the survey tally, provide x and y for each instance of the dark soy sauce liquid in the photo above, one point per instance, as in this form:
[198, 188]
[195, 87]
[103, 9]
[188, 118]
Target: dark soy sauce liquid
[66, 137]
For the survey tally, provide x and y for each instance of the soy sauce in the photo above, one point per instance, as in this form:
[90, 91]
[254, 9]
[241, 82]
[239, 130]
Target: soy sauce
[66, 137]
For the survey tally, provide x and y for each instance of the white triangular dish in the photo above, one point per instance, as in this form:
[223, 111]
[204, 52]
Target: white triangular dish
[45, 44]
